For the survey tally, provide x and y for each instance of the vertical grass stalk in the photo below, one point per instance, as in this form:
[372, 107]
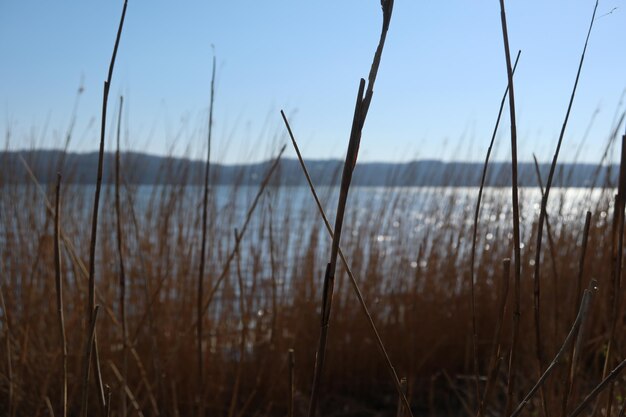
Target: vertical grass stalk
[569, 382]
[91, 308]
[122, 272]
[580, 320]
[353, 281]
[364, 98]
[292, 366]
[515, 202]
[59, 296]
[475, 235]
[618, 250]
[205, 203]
[496, 358]
[544, 205]
[9, 354]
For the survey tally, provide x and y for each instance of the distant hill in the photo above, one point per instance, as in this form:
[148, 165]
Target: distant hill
[139, 168]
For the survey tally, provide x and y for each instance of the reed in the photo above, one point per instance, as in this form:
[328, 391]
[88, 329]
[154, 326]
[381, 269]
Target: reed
[353, 280]
[515, 203]
[543, 211]
[120, 252]
[59, 296]
[364, 98]
[475, 232]
[292, 366]
[91, 311]
[9, 356]
[496, 358]
[599, 388]
[203, 249]
[569, 377]
[580, 319]
[618, 249]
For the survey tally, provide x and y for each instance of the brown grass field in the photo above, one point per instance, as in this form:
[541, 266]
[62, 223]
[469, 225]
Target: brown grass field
[181, 300]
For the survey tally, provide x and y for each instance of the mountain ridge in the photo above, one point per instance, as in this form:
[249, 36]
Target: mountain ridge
[145, 169]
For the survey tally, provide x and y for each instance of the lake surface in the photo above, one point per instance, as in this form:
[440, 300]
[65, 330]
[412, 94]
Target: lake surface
[389, 229]
[380, 215]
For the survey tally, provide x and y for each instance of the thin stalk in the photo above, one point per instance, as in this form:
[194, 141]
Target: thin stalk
[146, 383]
[555, 276]
[98, 373]
[583, 253]
[70, 129]
[496, 358]
[514, 347]
[618, 250]
[243, 311]
[108, 407]
[46, 400]
[599, 388]
[129, 393]
[364, 98]
[568, 384]
[292, 389]
[84, 412]
[457, 393]
[515, 202]
[122, 278]
[91, 310]
[59, 294]
[329, 276]
[243, 229]
[9, 354]
[401, 408]
[205, 203]
[543, 212]
[580, 320]
[273, 273]
[353, 280]
[475, 233]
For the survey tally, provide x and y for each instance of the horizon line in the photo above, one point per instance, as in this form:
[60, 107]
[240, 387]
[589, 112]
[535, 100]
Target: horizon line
[329, 159]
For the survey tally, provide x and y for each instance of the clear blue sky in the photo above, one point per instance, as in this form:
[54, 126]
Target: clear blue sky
[439, 87]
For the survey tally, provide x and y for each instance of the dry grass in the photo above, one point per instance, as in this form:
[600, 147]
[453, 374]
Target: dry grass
[410, 280]
[172, 349]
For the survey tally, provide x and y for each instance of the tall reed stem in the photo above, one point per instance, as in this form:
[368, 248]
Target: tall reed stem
[555, 274]
[543, 212]
[205, 203]
[618, 250]
[120, 254]
[59, 291]
[580, 320]
[9, 353]
[292, 365]
[475, 235]
[353, 281]
[569, 383]
[516, 228]
[84, 412]
[364, 98]
[599, 388]
[496, 358]
[91, 309]
[329, 277]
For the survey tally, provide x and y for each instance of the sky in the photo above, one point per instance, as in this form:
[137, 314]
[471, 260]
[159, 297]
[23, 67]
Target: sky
[441, 79]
